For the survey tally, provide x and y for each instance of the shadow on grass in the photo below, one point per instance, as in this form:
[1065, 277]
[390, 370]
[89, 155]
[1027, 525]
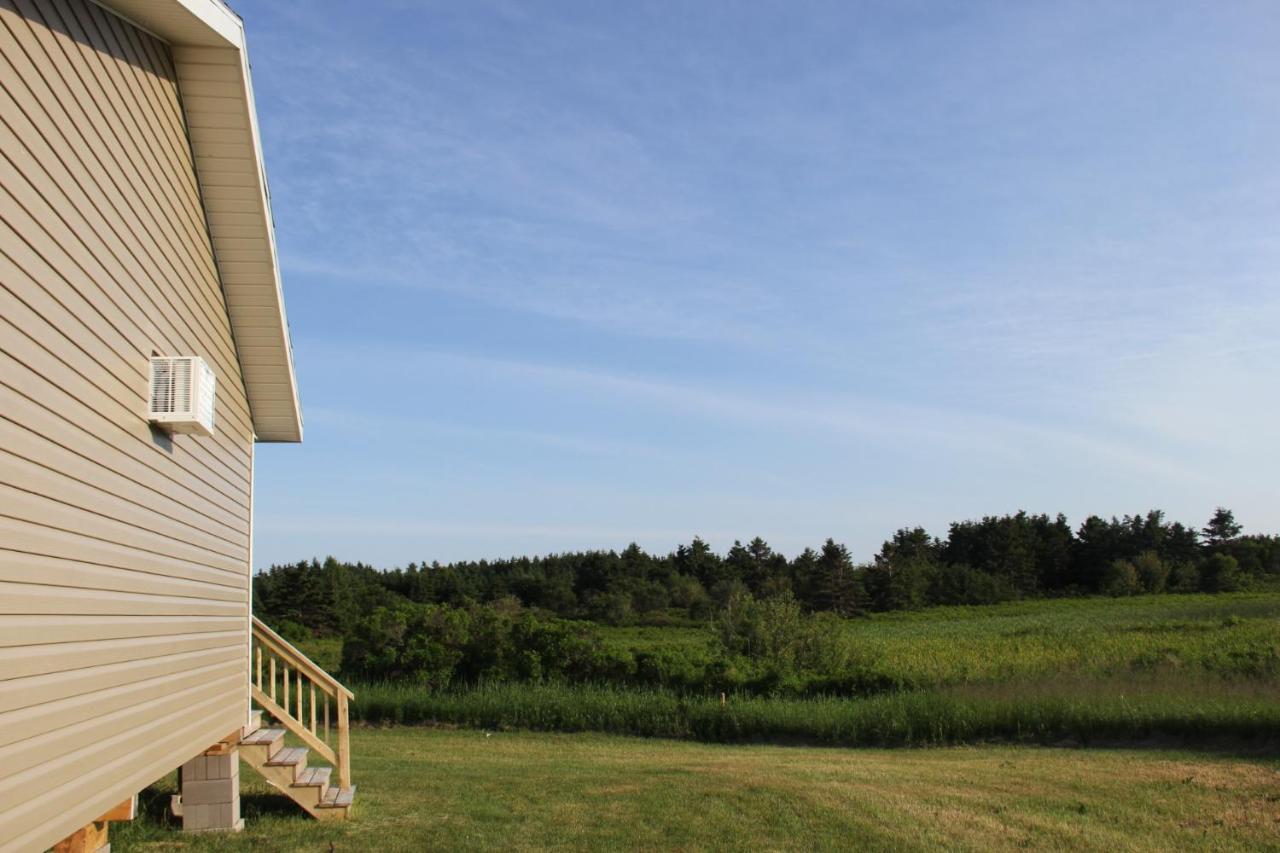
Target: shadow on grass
[1265, 750]
[155, 815]
[254, 806]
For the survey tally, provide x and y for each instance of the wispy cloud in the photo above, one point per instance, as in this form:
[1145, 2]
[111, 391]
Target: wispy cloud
[795, 412]
[774, 268]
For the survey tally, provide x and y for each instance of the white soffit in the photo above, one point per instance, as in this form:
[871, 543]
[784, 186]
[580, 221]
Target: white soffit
[212, 64]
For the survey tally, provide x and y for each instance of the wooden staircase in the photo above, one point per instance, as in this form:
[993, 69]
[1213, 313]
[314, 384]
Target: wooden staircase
[296, 694]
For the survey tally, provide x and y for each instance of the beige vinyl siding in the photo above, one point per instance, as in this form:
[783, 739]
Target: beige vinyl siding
[124, 553]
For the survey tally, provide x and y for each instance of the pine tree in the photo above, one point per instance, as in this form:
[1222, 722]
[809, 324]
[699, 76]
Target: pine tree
[1222, 527]
[804, 578]
[840, 587]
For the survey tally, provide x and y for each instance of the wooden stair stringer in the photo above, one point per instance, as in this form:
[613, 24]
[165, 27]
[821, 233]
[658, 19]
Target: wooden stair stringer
[285, 769]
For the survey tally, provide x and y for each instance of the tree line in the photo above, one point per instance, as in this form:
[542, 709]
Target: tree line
[997, 558]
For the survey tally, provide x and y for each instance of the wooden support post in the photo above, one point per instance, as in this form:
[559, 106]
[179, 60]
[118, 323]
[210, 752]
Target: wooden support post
[299, 716]
[257, 651]
[272, 691]
[344, 743]
[89, 838]
[313, 707]
[285, 703]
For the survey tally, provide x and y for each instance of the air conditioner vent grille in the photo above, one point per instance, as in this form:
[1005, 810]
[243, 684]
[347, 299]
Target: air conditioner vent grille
[171, 385]
[182, 394]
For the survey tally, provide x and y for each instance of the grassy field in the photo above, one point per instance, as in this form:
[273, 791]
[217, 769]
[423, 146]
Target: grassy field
[1077, 712]
[438, 789]
[1228, 634]
[998, 704]
[1082, 670]
[1231, 634]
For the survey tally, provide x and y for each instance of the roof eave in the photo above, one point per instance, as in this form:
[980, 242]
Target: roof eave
[214, 82]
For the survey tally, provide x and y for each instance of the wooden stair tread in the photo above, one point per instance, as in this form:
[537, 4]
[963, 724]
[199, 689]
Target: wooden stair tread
[317, 777]
[338, 798]
[262, 737]
[287, 756]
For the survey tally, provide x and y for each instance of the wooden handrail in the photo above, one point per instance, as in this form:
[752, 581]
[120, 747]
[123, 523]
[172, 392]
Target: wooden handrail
[286, 649]
[286, 667]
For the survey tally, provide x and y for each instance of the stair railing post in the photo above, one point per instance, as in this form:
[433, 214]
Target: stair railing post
[344, 743]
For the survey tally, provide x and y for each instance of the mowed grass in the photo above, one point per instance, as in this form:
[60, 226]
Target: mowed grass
[466, 790]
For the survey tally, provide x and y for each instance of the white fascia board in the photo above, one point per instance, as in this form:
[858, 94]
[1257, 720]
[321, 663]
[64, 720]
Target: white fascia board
[212, 24]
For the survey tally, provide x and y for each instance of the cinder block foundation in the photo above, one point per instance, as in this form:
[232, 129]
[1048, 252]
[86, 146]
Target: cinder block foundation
[210, 800]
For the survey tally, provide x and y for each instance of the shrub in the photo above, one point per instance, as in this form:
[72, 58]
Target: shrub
[435, 645]
[611, 608]
[1221, 573]
[1121, 578]
[1184, 577]
[415, 643]
[672, 667]
[293, 631]
[956, 583]
[1153, 573]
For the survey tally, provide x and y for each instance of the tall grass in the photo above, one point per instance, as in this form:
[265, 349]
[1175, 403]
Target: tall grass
[1232, 635]
[1083, 712]
[1183, 667]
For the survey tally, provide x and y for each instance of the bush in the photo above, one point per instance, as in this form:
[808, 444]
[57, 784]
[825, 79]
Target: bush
[293, 631]
[1121, 578]
[777, 633]
[1221, 573]
[961, 584]
[1184, 577]
[436, 646]
[772, 647]
[1153, 573]
[672, 667]
[611, 608]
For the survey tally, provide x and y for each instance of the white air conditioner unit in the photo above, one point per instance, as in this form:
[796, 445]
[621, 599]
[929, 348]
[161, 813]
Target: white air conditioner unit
[182, 394]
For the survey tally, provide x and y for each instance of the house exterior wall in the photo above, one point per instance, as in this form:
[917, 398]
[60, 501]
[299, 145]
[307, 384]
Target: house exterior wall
[124, 553]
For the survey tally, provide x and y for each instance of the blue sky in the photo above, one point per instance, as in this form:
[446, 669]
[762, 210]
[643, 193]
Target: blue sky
[569, 275]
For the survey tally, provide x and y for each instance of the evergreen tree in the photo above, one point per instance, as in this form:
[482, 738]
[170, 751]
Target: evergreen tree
[699, 561]
[1222, 527]
[840, 588]
[804, 579]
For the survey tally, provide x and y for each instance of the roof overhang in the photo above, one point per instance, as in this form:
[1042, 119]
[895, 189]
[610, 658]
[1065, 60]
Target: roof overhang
[212, 65]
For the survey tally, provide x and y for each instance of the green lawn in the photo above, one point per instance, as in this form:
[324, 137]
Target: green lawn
[436, 789]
